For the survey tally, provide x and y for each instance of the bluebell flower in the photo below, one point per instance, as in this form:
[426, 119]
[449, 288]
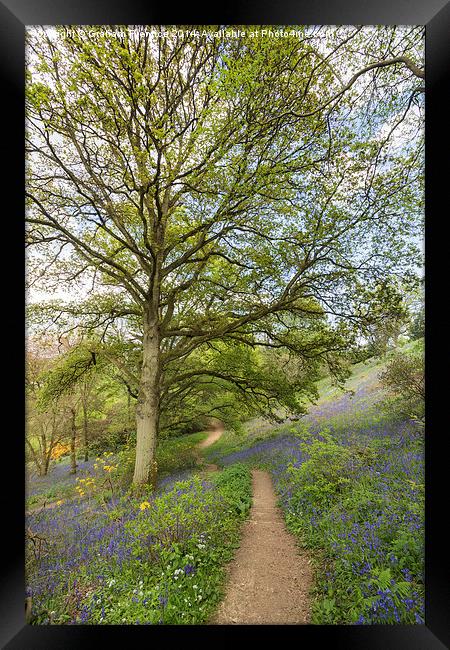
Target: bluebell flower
[163, 600]
[189, 569]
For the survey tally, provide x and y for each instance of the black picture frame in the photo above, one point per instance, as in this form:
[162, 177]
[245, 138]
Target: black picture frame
[14, 16]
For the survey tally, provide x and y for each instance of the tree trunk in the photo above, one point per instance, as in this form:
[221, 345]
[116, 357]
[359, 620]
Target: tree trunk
[35, 457]
[73, 434]
[47, 463]
[129, 419]
[45, 460]
[85, 431]
[147, 409]
[51, 446]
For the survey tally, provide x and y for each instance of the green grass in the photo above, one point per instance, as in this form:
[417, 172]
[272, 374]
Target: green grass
[174, 454]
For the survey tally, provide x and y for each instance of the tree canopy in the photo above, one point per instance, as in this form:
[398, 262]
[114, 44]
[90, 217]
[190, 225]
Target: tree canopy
[213, 198]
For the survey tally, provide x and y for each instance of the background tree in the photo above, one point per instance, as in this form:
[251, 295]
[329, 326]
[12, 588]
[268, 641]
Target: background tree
[67, 386]
[404, 378]
[44, 428]
[86, 392]
[44, 435]
[417, 327]
[417, 313]
[210, 188]
[387, 315]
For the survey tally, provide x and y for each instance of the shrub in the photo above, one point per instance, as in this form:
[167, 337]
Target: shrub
[326, 472]
[404, 378]
[234, 484]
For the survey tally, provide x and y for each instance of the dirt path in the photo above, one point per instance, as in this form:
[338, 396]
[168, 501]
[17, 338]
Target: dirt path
[269, 579]
[212, 437]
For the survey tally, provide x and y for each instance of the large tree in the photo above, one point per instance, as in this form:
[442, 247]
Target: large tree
[236, 190]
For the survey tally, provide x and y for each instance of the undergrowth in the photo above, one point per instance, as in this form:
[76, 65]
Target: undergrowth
[158, 560]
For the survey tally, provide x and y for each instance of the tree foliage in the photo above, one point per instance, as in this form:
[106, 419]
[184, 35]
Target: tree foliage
[404, 378]
[221, 194]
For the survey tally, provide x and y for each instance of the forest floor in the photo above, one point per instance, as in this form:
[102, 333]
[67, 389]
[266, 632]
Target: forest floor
[256, 570]
[269, 580]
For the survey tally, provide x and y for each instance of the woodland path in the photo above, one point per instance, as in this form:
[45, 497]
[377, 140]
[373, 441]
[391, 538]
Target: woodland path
[269, 578]
[213, 435]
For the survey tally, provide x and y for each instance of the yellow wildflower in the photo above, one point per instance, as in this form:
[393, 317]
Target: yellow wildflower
[144, 505]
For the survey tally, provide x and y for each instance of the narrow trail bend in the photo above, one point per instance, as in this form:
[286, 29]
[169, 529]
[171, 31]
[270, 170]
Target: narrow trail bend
[269, 579]
[212, 437]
